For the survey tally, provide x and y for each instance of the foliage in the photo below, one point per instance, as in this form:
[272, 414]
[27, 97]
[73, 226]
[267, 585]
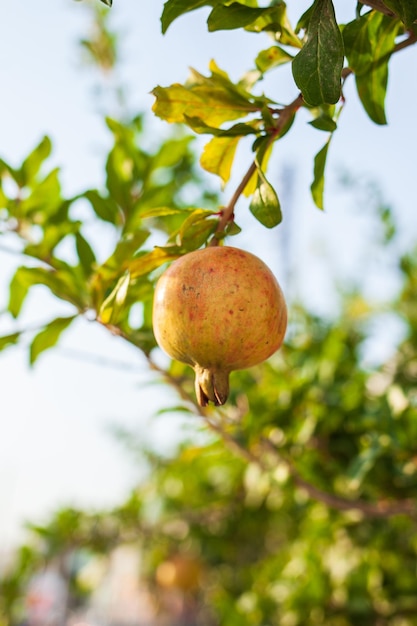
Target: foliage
[298, 504]
[322, 54]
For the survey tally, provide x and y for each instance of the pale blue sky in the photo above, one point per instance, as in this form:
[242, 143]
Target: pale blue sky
[54, 448]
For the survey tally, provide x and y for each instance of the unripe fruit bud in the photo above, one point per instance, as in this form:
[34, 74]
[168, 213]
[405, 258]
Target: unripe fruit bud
[218, 309]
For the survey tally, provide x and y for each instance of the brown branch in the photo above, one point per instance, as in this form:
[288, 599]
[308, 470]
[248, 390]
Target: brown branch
[285, 115]
[381, 509]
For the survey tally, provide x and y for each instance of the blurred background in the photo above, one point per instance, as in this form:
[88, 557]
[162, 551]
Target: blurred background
[67, 424]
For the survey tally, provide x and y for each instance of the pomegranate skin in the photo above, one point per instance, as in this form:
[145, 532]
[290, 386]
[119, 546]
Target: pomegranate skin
[218, 309]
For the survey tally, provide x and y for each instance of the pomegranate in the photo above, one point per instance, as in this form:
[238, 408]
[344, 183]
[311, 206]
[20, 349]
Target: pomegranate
[218, 309]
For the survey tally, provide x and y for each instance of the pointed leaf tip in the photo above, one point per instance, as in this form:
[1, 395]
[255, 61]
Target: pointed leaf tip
[317, 67]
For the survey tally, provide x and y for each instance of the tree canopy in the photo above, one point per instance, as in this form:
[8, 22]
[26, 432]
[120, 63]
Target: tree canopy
[295, 503]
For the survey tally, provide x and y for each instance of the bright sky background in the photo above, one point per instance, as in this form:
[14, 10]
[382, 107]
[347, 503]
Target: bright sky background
[55, 446]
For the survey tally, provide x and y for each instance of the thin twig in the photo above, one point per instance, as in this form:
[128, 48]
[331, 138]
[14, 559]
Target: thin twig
[227, 213]
[381, 509]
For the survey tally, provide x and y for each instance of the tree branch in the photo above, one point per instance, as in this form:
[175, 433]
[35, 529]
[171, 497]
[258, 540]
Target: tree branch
[285, 115]
[381, 509]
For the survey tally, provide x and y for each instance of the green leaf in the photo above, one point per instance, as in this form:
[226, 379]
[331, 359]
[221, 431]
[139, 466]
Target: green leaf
[48, 337]
[175, 8]
[9, 340]
[237, 130]
[152, 260]
[317, 67]
[233, 16]
[272, 57]
[53, 234]
[105, 208]
[274, 20]
[324, 122]
[214, 99]
[196, 229]
[160, 211]
[44, 200]
[18, 290]
[369, 42]
[126, 248]
[317, 186]
[112, 307]
[265, 205]
[172, 152]
[62, 283]
[405, 9]
[218, 156]
[33, 162]
[85, 254]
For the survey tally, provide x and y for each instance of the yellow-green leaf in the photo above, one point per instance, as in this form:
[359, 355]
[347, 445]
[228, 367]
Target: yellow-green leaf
[218, 156]
[152, 260]
[49, 336]
[317, 186]
[215, 99]
[112, 306]
[272, 57]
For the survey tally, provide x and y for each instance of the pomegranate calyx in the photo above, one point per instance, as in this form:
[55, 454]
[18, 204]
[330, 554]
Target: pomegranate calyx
[211, 385]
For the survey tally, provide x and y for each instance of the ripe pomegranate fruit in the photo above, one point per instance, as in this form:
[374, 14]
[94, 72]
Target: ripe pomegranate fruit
[218, 309]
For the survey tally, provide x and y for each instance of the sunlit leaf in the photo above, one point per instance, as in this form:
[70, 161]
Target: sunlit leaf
[215, 99]
[33, 162]
[113, 306]
[218, 156]
[161, 211]
[317, 67]
[237, 130]
[196, 229]
[9, 340]
[129, 245]
[274, 21]
[48, 337]
[150, 261]
[171, 152]
[44, 199]
[272, 57]
[369, 42]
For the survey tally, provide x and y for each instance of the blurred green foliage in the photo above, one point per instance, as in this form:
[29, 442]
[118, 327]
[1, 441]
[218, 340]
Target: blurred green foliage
[295, 504]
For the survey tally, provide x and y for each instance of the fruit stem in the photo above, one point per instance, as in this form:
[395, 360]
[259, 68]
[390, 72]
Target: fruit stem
[227, 213]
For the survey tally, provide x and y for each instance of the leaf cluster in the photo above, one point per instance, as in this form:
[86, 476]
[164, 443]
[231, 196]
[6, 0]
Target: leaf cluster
[299, 500]
[321, 52]
[146, 198]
